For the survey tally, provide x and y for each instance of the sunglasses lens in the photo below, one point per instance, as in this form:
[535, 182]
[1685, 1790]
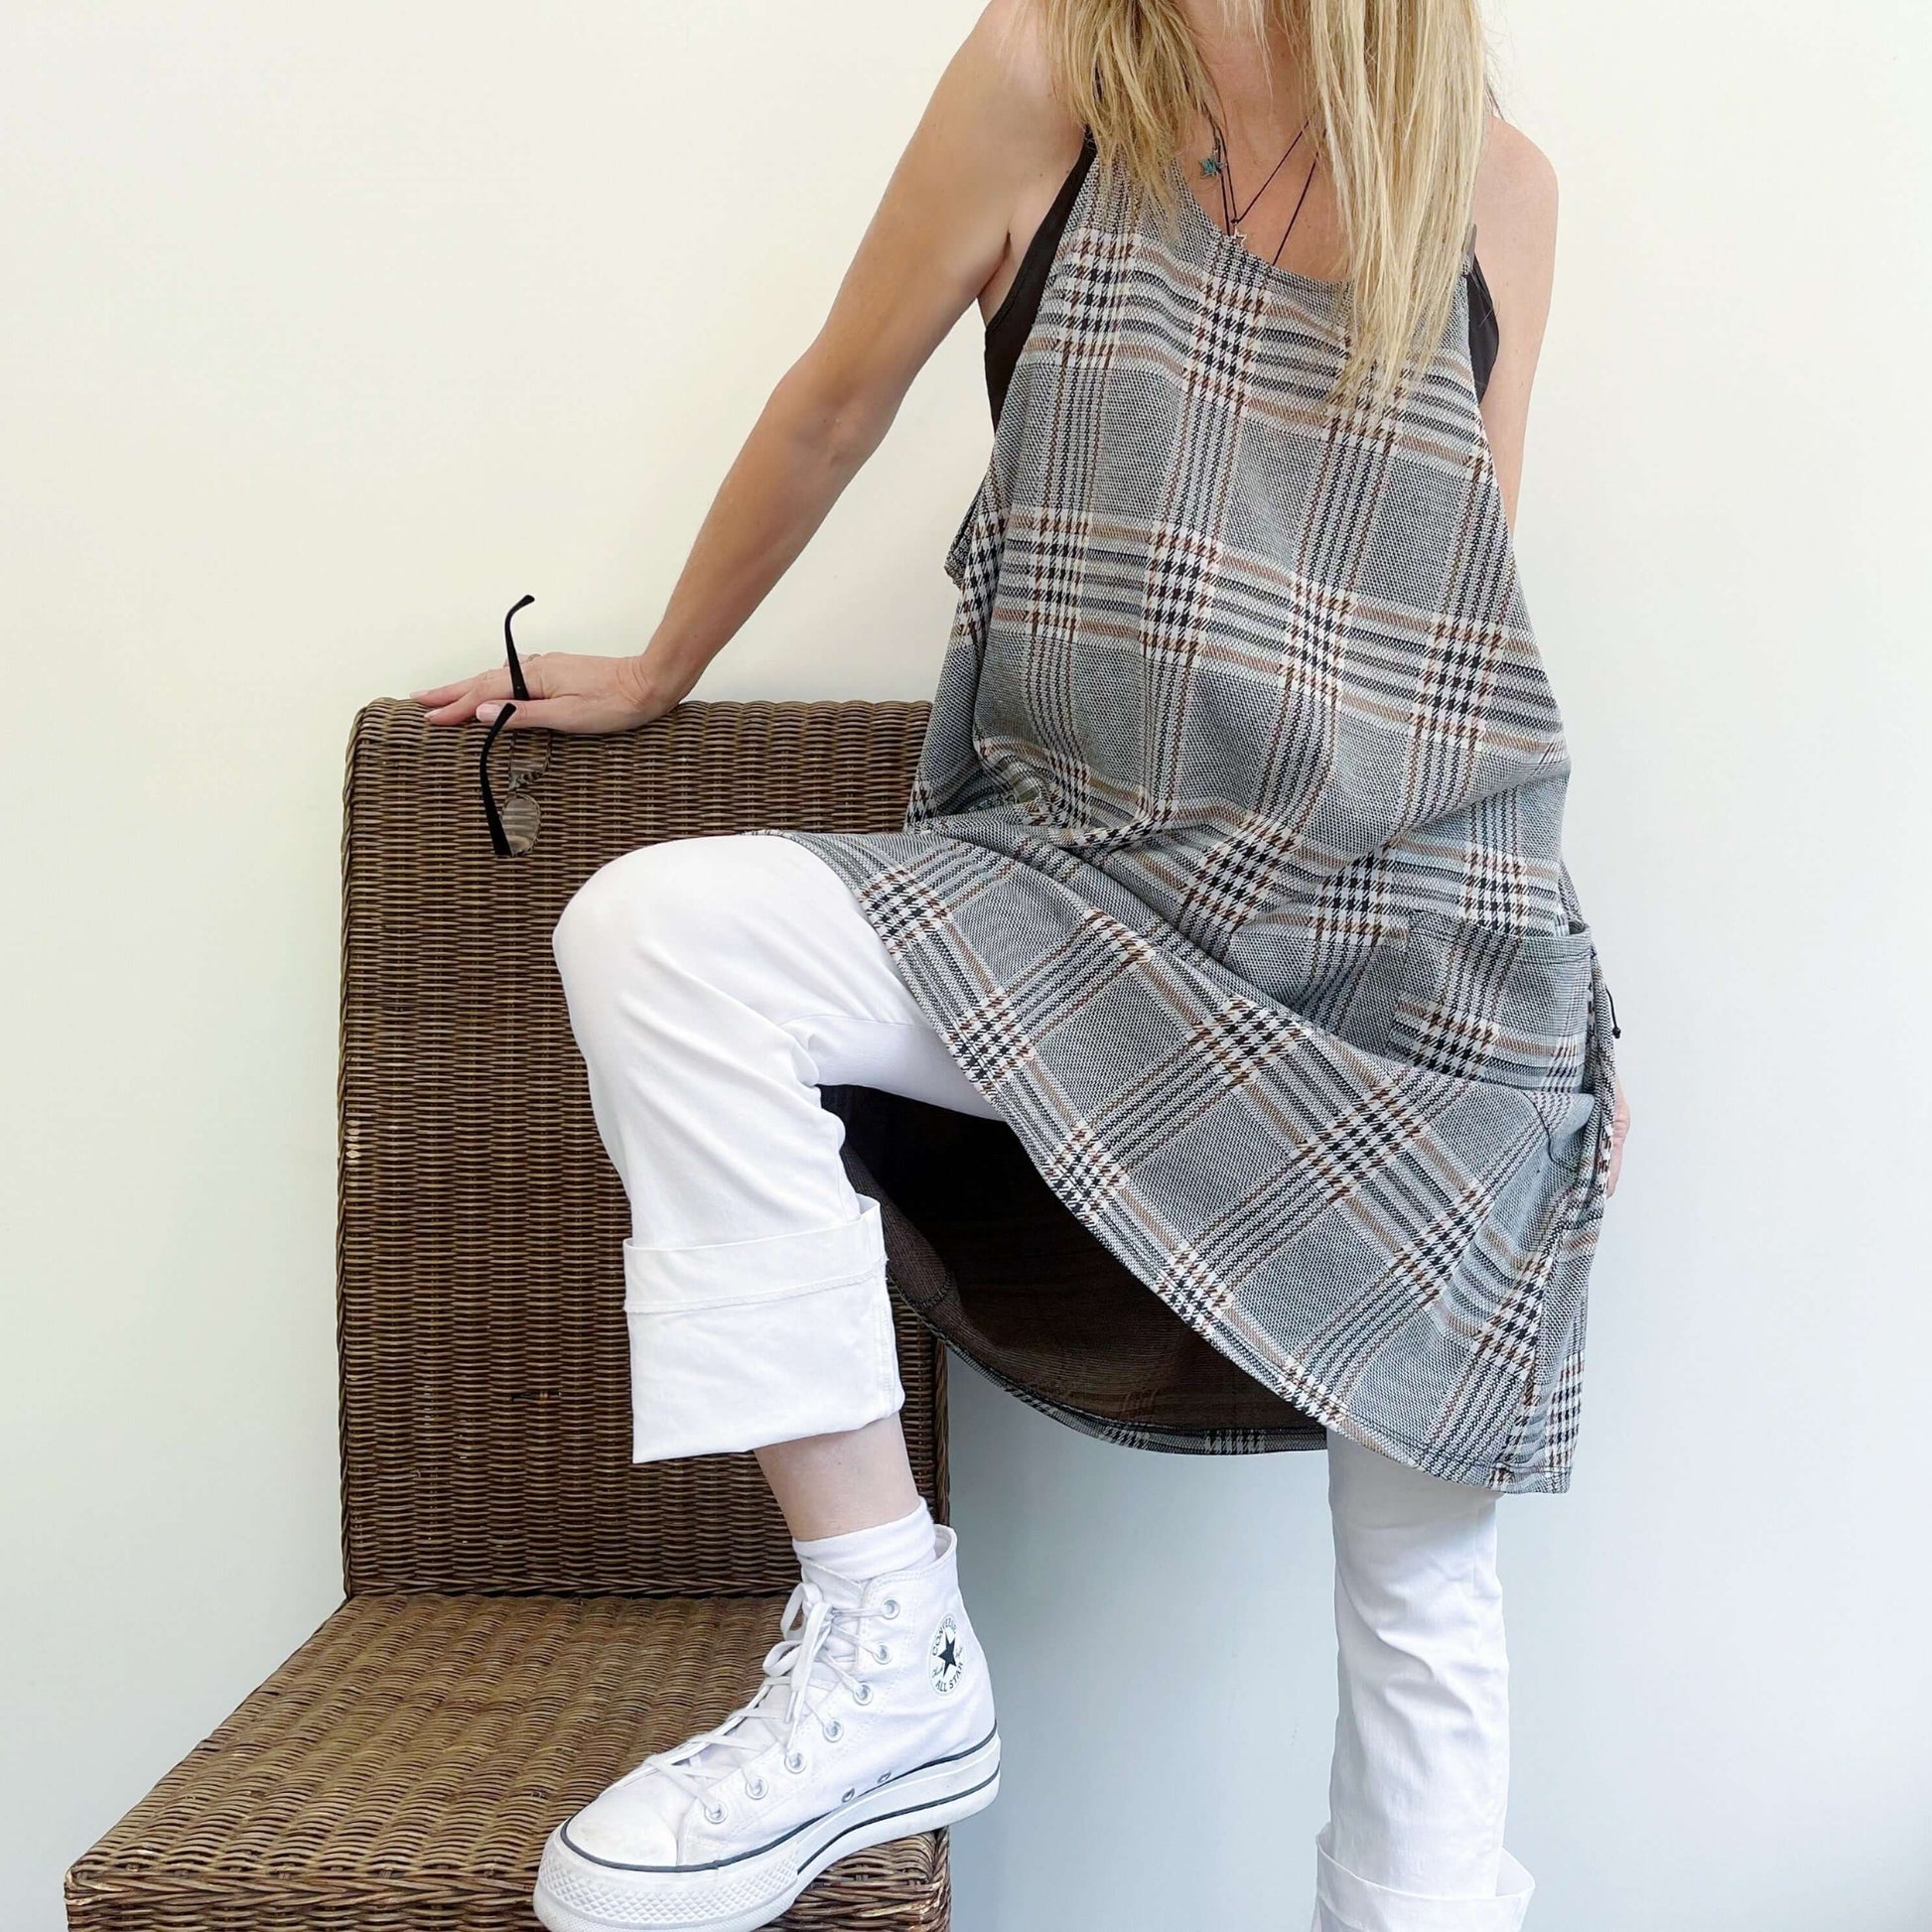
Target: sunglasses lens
[521, 818]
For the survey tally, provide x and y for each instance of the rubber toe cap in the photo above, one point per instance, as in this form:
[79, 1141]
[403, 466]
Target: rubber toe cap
[621, 1828]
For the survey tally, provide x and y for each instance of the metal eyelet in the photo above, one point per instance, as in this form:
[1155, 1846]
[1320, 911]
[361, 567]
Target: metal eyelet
[794, 1760]
[849, 1795]
[755, 1787]
[882, 1654]
[713, 1817]
[889, 1607]
[835, 1729]
[862, 1694]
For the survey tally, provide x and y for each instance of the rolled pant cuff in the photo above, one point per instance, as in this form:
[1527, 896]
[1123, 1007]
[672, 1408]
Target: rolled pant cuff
[1345, 1902]
[736, 1344]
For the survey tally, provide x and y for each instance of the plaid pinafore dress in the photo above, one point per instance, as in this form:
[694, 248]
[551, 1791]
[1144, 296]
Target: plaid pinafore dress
[1232, 873]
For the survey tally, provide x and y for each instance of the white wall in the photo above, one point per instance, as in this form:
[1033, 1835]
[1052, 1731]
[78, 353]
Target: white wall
[327, 330]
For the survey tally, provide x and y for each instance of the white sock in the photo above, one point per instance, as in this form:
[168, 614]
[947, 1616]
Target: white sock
[847, 1563]
[882, 1551]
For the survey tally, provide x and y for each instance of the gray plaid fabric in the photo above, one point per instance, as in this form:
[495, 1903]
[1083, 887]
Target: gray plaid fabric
[1232, 873]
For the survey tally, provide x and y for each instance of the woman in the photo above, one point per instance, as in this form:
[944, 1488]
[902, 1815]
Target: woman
[1230, 881]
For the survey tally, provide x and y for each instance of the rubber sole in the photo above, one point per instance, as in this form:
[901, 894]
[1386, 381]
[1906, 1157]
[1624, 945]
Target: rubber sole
[579, 1894]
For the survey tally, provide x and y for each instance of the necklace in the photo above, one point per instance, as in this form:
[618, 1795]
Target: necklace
[1217, 166]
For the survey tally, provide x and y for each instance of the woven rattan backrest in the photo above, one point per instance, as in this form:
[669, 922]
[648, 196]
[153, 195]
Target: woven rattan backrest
[485, 1387]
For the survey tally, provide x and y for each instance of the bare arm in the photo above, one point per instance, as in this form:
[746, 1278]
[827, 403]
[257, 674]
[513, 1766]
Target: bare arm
[942, 235]
[1516, 242]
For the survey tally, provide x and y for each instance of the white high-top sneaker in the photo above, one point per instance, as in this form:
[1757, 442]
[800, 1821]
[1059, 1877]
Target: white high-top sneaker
[875, 1721]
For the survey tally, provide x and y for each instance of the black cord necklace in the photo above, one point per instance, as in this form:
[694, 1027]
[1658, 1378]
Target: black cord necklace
[1218, 165]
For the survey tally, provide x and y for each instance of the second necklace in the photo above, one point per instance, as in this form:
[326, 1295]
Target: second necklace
[1218, 165]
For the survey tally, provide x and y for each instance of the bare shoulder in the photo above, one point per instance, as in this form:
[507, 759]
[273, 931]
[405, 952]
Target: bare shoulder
[1516, 243]
[993, 141]
[1515, 207]
[1009, 54]
[1514, 164]
[1022, 138]
[1013, 37]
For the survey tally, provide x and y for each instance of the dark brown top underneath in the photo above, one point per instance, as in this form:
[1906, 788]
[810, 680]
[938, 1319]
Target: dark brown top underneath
[1012, 322]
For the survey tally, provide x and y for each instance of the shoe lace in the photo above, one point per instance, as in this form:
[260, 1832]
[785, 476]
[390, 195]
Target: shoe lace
[817, 1650]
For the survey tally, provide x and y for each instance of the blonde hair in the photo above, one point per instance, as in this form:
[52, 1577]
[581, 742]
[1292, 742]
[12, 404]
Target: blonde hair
[1398, 95]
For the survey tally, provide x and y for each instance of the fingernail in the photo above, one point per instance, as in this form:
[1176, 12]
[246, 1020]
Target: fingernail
[488, 712]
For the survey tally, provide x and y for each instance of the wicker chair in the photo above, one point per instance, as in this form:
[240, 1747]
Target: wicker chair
[528, 1613]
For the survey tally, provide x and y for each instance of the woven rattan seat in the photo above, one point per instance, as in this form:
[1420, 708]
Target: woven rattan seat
[529, 1612]
[402, 1769]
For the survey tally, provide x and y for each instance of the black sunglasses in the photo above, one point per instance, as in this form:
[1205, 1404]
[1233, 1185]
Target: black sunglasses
[513, 826]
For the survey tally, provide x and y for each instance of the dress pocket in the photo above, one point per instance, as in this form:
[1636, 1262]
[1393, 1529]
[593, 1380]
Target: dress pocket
[1481, 1002]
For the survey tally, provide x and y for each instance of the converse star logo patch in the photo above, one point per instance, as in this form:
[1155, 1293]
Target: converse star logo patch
[945, 1656]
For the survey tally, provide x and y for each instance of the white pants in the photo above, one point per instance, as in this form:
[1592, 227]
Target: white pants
[713, 984]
